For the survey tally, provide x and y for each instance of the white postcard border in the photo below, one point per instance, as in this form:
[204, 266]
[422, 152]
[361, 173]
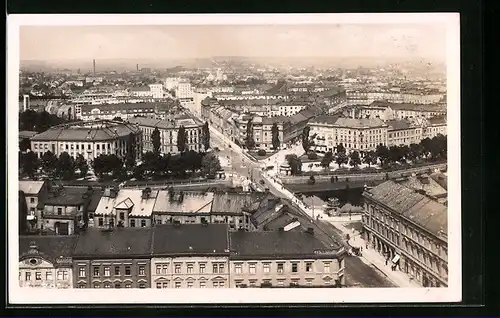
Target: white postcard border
[213, 296]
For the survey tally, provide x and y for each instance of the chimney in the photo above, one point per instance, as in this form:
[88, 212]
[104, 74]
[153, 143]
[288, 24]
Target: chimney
[94, 66]
[146, 193]
[310, 230]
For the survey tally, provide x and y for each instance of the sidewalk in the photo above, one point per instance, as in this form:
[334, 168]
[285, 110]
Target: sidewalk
[372, 257]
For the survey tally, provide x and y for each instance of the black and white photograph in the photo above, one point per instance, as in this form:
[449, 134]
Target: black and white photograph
[234, 158]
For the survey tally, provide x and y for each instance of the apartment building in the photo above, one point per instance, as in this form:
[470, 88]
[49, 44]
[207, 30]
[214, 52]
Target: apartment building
[119, 110]
[409, 228]
[283, 259]
[435, 126]
[184, 91]
[90, 139]
[262, 130]
[169, 129]
[141, 91]
[156, 90]
[403, 132]
[46, 261]
[113, 258]
[362, 134]
[190, 256]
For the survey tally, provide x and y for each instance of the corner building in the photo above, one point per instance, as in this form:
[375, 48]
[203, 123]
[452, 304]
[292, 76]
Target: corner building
[90, 139]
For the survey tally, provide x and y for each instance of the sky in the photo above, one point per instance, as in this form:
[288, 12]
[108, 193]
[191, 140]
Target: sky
[45, 43]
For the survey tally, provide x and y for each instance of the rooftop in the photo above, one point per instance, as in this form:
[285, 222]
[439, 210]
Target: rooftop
[416, 207]
[187, 202]
[98, 130]
[48, 247]
[190, 239]
[275, 245]
[409, 106]
[27, 134]
[359, 122]
[30, 187]
[398, 124]
[128, 199]
[118, 242]
[65, 196]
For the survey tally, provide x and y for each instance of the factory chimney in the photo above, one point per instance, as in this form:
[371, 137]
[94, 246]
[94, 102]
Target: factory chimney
[94, 66]
[137, 67]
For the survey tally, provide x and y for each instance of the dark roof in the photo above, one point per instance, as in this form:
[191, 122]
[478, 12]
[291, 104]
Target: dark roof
[94, 200]
[332, 92]
[67, 196]
[408, 106]
[177, 239]
[325, 119]
[418, 208]
[120, 242]
[398, 124]
[437, 120]
[440, 178]
[125, 107]
[49, 247]
[87, 131]
[274, 244]
[27, 134]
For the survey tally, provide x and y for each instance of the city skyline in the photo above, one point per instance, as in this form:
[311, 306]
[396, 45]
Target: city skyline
[49, 43]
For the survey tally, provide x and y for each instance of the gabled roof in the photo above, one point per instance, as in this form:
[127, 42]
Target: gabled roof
[175, 239]
[185, 202]
[30, 187]
[130, 199]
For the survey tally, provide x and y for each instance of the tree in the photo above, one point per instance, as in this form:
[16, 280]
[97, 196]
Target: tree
[305, 139]
[181, 139]
[261, 152]
[295, 164]
[275, 136]
[340, 149]
[150, 163]
[81, 165]
[370, 158]
[311, 180]
[355, 159]
[156, 140]
[327, 159]
[49, 163]
[130, 157]
[205, 133]
[415, 151]
[249, 141]
[117, 118]
[29, 164]
[312, 155]
[65, 167]
[341, 158]
[382, 153]
[395, 154]
[24, 144]
[193, 160]
[426, 145]
[106, 164]
[210, 164]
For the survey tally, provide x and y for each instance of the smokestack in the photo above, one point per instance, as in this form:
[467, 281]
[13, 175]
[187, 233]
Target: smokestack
[94, 66]
[137, 67]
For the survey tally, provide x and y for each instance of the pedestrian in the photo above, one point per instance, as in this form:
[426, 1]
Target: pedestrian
[386, 261]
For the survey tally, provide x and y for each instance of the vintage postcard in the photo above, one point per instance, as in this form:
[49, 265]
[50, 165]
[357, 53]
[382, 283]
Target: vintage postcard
[298, 158]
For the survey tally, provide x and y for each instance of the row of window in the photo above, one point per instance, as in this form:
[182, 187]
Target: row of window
[61, 275]
[280, 282]
[111, 222]
[280, 268]
[96, 271]
[78, 146]
[217, 268]
[110, 285]
[190, 284]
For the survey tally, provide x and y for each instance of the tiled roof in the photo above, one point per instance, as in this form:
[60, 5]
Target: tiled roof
[126, 108]
[27, 134]
[398, 124]
[359, 122]
[437, 120]
[427, 213]
[68, 196]
[140, 89]
[273, 244]
[190, 239]
[30, 187]
[325, 119]
[50, 247]
[332, 92]
[152, 122]
[233, 202]
[191, 202]
[128, 199]
[85, 131]
[276, 119]
[409, 106]
[94, 200]
[441, 179]
[119, 242]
